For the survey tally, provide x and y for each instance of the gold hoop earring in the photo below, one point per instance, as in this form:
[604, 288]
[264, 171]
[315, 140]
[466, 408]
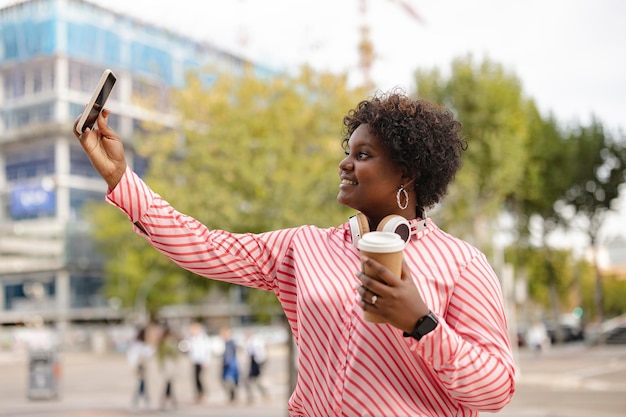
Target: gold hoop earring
[402, 193]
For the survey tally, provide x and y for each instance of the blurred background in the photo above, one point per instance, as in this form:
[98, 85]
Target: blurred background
[227, 108]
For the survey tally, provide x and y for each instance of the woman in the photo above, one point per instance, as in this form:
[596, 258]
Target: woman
[139, 354]
[444, 349]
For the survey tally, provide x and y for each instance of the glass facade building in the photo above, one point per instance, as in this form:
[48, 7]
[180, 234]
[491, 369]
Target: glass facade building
[52, 53]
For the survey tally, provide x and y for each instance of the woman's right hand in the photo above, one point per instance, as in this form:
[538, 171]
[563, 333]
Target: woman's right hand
[105, 150]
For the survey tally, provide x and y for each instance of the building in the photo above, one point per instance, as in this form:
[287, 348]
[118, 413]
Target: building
[52, 53]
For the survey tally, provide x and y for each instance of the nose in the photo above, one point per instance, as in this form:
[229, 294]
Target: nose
[346, 164]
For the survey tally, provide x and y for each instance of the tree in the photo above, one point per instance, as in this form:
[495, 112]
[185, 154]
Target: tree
[599, 162]
[489, 103]
[538, 198]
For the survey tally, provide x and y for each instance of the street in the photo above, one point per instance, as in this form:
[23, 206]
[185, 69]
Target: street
[567, 381]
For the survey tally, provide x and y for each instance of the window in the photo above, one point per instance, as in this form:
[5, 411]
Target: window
[28, 80]
[85, 291]
[28, 38]
[93, 43]
[28, 115]
[80, 164]
[14, 84]
[152, 60]
[85, 78]
[152, 95]
[31, 163]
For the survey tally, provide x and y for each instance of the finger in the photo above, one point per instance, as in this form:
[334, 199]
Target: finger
[361, 290]
[367, 295]
[376, 269]
[365, 279]
[103, 123]
[367, 306]
[371, 286]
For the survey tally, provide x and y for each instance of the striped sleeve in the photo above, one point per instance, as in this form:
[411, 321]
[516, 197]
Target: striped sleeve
[244, 259]
[470, 349]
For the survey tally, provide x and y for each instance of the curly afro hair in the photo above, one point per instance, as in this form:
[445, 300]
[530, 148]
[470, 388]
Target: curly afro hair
[421, 137]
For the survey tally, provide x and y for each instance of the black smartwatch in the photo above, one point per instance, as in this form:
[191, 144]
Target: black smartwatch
[425, 325]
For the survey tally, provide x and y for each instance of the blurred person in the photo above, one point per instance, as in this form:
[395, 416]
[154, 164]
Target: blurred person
[168, 355]
[537, 337]
[257, 355]
[200, 356]
[138, 354]
[444, 348]
[230, 364]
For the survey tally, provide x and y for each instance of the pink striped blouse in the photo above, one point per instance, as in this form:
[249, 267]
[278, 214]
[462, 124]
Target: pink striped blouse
[349, 367]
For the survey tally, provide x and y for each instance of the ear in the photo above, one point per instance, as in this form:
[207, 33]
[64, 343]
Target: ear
[408, 182]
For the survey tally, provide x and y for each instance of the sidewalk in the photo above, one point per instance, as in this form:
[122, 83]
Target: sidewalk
[567, 381]
[102, 386]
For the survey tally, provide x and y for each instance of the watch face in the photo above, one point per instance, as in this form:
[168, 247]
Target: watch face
[427, 326]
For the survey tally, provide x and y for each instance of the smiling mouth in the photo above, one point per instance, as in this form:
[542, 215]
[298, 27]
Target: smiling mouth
[348, 182]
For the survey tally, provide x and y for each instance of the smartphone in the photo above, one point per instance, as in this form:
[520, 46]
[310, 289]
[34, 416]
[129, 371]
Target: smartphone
[96, 104]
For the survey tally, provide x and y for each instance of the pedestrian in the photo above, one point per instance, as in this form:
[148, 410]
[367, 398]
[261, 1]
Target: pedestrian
[444, 348]
[538, 337]
[138, 355]
[168, 355]
[230, 365]
[200, 356]
[257, 354]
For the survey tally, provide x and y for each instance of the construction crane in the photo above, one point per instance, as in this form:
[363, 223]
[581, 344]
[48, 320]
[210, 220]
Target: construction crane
[367, 54]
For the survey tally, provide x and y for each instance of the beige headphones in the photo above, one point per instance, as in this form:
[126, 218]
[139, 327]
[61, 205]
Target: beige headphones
[392, 223]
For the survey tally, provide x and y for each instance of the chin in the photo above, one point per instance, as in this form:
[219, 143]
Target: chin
[342, 200]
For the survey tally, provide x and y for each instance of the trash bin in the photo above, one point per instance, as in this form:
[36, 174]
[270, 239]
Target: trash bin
[44, 374]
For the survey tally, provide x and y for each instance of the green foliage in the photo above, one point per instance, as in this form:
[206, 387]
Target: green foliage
[615, 294]
[526, 165]
[599, 171]
[542, 187]
[251, 155]
[547, 267]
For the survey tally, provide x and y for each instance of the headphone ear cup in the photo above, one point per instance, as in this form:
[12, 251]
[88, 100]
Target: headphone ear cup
[396, 224]
[358, 227]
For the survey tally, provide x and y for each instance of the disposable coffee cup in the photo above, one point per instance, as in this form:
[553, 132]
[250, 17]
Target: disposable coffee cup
[386, 248]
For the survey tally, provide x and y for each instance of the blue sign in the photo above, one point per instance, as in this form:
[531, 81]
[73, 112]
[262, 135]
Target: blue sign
[32, 201]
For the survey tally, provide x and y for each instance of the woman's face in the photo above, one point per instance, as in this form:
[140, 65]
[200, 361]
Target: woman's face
[369, 180]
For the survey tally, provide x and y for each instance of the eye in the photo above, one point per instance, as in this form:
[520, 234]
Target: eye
[362, 155]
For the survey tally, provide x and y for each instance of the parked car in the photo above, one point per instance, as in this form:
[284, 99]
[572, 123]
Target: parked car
[568, 329]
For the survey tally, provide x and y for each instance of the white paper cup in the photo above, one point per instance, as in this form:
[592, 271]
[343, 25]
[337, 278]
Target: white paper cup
[386, 248]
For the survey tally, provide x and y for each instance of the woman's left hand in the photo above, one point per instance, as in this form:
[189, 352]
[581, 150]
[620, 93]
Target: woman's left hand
[398, 301]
